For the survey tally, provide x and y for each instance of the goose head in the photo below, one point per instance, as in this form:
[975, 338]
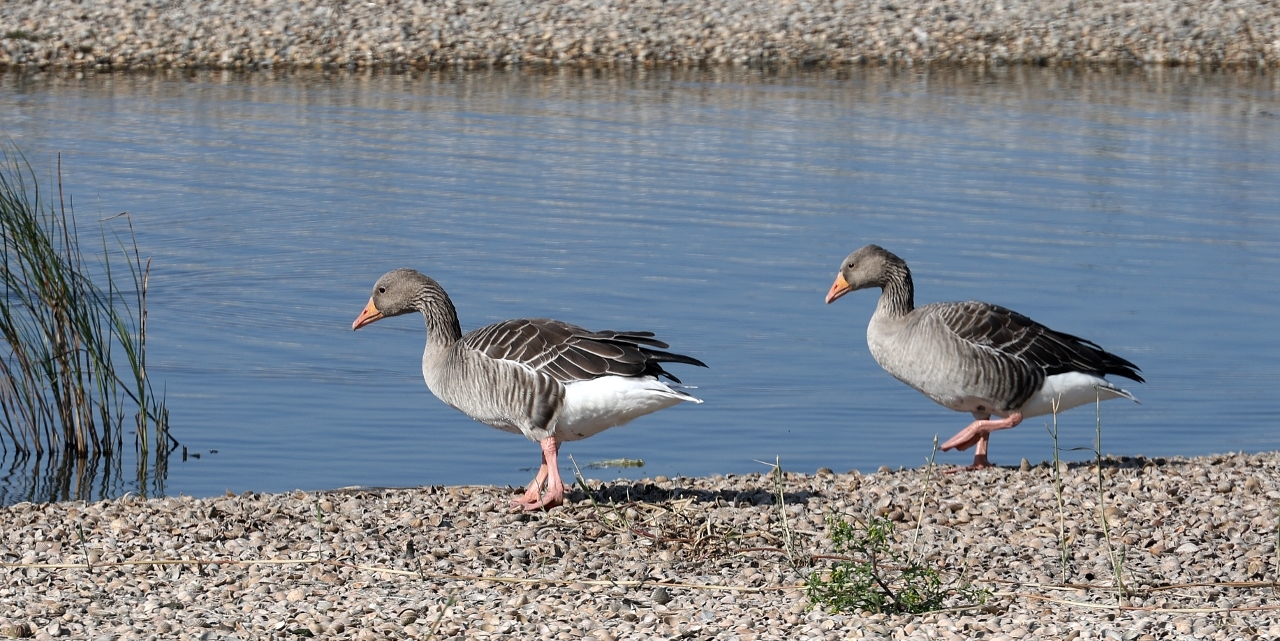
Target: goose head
[867, 267]
[398, 292]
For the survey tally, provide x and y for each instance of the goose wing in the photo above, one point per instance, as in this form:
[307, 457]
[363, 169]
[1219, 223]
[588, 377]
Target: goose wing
[569, 353]
[1018, 342]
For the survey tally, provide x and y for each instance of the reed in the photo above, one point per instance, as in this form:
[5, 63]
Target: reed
[1064, 546]
[1116, 556]
[73, 355]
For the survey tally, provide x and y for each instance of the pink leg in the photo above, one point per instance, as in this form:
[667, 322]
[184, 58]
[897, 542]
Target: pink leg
[534, 498]
[978, 433]
[980, 453]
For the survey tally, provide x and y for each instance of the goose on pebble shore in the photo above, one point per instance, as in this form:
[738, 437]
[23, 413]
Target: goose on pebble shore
[549, 380]
[976, 357]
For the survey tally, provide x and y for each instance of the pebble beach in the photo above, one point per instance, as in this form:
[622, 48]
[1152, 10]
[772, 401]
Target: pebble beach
[1132, 549]
[707, 558]
[239, 34]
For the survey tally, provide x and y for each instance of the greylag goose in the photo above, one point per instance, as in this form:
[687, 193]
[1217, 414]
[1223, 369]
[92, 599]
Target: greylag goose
[551, 381]
[976, 357]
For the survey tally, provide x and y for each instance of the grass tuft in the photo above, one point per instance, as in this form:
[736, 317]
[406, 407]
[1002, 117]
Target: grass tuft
[73, 348]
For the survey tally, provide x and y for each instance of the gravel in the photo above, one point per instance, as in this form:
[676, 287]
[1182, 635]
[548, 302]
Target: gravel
[233, 34]
[698, 558]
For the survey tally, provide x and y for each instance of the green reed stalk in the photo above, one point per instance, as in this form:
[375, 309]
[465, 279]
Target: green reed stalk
[62, 389]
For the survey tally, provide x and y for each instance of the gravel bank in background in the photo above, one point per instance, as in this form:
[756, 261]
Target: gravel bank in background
[400, 33]
[667, 558]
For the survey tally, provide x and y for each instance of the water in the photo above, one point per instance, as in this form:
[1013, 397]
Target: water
[1140, 210]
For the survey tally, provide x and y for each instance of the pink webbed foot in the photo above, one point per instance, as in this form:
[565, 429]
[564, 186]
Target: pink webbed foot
[980, 462]
[547, 500]
[535, 496]
[979, 433]
[533, 492]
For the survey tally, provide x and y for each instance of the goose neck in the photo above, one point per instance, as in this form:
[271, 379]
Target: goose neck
[443, 329]
[897, 296]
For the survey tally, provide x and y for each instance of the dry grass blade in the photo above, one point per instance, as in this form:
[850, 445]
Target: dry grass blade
[397, 572]
[1116, 556]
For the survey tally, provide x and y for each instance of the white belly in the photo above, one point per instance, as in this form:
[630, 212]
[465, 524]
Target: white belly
[590, 407]
[1071, 389]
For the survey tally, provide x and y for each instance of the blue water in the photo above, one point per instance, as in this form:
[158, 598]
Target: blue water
[1140, 210]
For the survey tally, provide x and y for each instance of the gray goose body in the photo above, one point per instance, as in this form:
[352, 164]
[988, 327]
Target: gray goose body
[546, 379]
[976, 357]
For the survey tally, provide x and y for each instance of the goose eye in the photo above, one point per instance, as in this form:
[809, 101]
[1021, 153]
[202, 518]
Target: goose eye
[382, 290]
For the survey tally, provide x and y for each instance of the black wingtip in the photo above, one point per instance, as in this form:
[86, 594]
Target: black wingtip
[1121, 367]
[671, 357]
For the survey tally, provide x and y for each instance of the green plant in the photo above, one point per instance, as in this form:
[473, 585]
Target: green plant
[72, 348]
[877, 578]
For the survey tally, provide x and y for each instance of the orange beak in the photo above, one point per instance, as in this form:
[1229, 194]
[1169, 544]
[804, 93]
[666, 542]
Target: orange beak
[838, 288]
[369, 315]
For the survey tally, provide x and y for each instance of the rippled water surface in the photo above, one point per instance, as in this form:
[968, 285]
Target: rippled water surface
[1140, 210]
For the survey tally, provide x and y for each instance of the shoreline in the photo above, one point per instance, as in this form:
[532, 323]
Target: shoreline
[716, 557]
[248, 34]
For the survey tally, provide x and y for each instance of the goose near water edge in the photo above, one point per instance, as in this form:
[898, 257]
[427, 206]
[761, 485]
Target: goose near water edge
[546, 379]
[976, 357]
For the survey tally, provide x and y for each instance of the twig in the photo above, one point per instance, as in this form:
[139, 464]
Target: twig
[1143, 591]
[788, 540]
[426, 575]
[435, 625]
[1117, 560]
[1137, 608]
[928, 475]
[1064, 554]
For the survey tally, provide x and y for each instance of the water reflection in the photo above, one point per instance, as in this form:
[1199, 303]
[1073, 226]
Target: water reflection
[44, 478]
